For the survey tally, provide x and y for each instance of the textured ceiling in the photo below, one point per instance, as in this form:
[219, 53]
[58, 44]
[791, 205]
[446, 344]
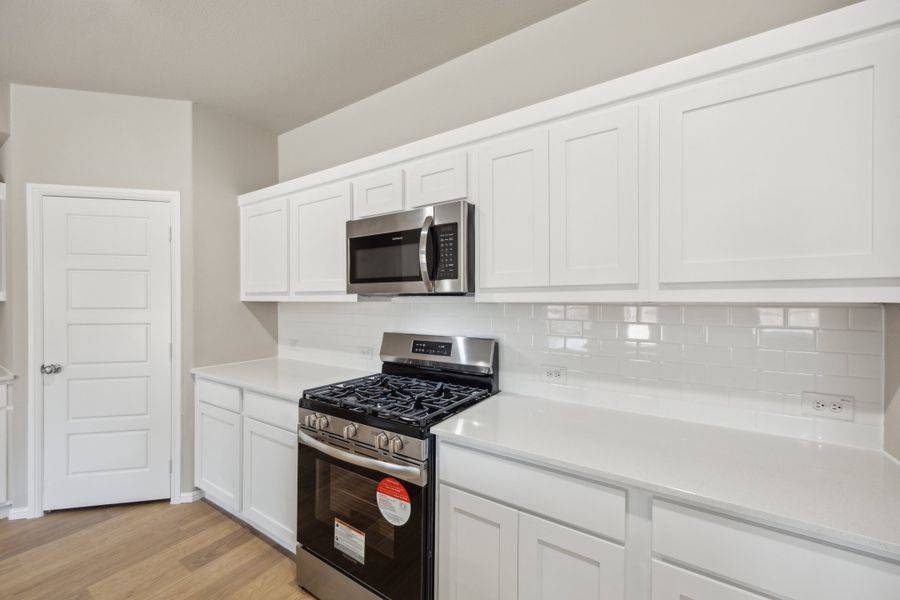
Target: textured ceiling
[277, 63]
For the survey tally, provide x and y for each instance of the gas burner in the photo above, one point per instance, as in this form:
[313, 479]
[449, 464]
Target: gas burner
[400, 398]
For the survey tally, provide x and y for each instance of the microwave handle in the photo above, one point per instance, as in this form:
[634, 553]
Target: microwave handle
[408, 473]
[423, 253]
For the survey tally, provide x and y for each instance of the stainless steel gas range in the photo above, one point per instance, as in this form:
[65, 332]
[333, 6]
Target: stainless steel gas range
[366, 501]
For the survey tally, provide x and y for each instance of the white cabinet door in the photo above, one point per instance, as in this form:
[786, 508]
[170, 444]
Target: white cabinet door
[438, 179]
[217, 455]
[786, 171]
[674, 583]
[318, 239]
[270, 480]
[558, 562]
[264, 248]
[514, 211]
[378, 193]
[478, 544]
[594, 216]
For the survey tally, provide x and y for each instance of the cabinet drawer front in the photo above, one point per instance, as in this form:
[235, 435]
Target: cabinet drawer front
[558, 562]
[378, 193]
[219, 394]
[786, 171]
[591, 506]
[673, 583]
[438, 179]
[777, 563]
[274, 411]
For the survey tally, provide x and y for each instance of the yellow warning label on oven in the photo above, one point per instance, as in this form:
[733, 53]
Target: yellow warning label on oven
[350, 541]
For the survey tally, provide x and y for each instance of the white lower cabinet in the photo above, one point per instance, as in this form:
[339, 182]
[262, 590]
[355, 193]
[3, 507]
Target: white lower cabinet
[246, 458]
[270, 480]
[478, 548]
[674, 583]
[489, 551]
[558, 562]
[217, 455]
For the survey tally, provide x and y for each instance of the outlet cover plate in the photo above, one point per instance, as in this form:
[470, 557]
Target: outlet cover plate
[551, 374]
[828, 406]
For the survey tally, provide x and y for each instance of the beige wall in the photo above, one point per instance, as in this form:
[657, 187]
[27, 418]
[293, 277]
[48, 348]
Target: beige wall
[230, 157]
[588, 44]
[892, 379]
[85, 138]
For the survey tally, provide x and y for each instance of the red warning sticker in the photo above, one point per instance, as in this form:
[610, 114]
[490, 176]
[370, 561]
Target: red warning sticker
[393, 501]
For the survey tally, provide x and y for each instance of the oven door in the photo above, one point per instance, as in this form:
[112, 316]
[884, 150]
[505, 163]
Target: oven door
[366, 523]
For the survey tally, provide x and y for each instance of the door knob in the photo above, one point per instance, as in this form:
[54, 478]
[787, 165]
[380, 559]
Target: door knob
[51, 369]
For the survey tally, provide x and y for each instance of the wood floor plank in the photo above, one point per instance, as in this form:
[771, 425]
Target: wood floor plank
[150, 551]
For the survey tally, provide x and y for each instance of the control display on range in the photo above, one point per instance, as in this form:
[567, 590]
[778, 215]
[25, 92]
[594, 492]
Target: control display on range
[433, 348]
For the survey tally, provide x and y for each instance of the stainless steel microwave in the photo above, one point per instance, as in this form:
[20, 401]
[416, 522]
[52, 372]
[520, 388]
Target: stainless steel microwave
[428, 250]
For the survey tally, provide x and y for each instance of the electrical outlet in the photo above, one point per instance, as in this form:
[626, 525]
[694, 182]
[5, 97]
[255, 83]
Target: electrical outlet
[552, 374]
[366, 352]
[293, 343]
[828, 406]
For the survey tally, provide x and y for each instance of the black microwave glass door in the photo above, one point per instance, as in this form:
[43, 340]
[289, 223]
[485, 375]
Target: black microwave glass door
[333, 494]
[389, 257]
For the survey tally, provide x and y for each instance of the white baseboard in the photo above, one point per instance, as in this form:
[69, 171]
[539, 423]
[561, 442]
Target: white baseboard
[188, 497]
[4, 510]
[21, 512]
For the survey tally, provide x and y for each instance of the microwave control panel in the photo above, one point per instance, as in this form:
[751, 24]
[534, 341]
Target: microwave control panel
[447, 238]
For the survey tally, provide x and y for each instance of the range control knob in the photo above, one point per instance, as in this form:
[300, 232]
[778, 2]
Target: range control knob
[310, 420]
[322, 422]
[350, 431]
[382, 441]
[395, 445]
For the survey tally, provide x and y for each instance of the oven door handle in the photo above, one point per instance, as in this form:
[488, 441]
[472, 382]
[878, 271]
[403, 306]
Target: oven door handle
[423, 253]
[408, 473]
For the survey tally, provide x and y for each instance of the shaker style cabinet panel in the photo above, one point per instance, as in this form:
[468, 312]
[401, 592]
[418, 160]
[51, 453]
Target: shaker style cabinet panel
[478, 545]
[594, 216]
[513, 211]
[270, 480]
[558, 562]
[217, 455]
[437, 179]
[674, 583]
[318, 259]
[378, 193]
[786, 171]
[264, 248]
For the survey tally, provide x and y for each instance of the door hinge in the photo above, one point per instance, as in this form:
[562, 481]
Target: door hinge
[170, 466]
[170, 350]
[170, 234]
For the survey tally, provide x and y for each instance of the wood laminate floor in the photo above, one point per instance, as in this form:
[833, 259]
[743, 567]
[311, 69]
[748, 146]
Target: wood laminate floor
[151, 550]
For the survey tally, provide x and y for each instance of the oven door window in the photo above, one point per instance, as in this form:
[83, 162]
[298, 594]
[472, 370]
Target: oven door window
[389, 257]
[339, 520]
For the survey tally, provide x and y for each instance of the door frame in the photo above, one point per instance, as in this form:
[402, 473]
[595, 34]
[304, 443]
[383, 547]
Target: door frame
[35, 430]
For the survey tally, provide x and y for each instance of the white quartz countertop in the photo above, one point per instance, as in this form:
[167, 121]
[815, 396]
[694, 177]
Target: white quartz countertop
[279, 377]
[843, 495]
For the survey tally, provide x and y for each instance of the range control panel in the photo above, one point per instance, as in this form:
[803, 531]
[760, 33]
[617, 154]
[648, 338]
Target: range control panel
[433, 348]
[447, 238]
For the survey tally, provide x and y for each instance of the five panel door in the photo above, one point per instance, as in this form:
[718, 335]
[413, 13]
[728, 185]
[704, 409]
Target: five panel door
[107, 323]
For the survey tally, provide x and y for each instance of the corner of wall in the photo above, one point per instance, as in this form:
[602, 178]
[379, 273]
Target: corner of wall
[892, 380]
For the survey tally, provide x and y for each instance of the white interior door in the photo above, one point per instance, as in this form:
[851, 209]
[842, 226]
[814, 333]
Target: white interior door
[107, 298]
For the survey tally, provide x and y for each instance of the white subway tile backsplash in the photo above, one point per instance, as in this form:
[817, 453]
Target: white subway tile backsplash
[735, 366]
[787, 339]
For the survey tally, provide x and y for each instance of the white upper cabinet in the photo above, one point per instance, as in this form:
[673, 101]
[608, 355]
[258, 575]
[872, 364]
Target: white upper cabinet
[264, 248]
[378, 193]
[513, 211]
[558, 562]
[787, 171]
[318, 239]
[438, 179]
[594, 211]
